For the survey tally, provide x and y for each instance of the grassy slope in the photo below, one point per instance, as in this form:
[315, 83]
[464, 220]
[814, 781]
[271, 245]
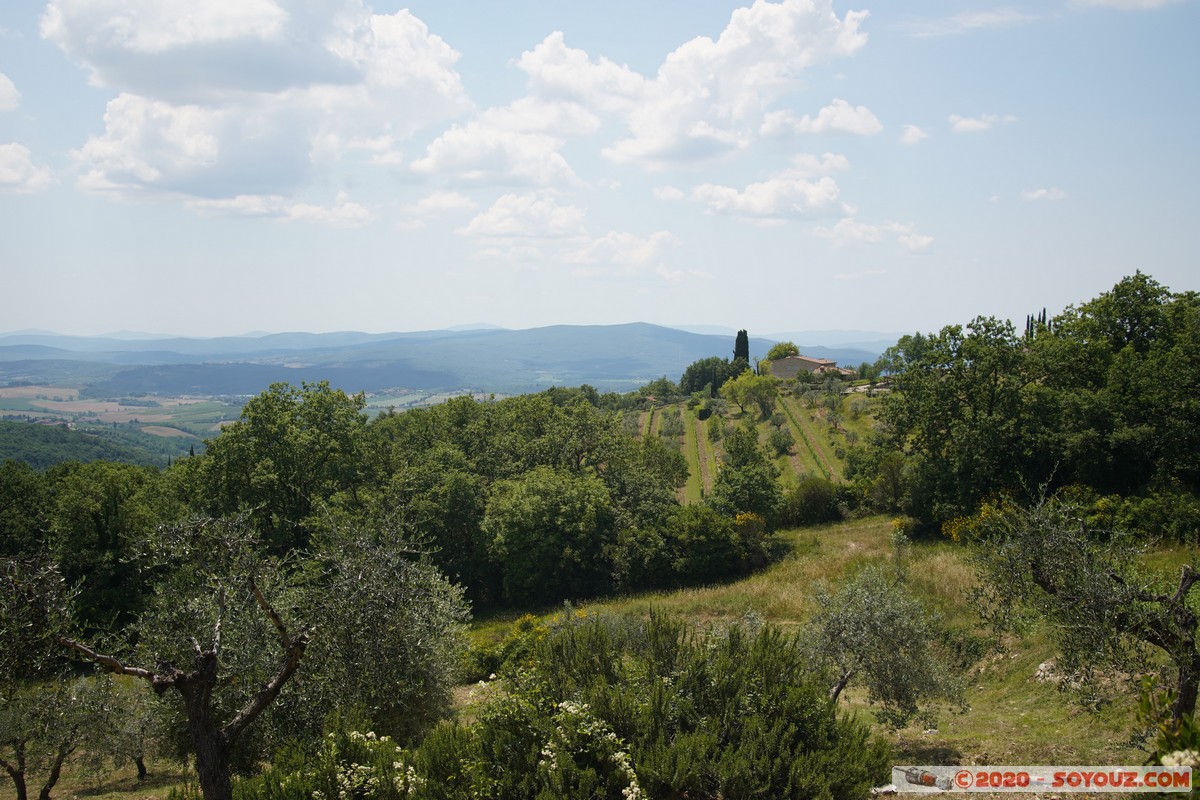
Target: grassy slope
[1012, 718]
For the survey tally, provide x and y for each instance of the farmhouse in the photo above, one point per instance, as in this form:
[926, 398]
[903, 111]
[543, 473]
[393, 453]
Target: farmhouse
[792, 366]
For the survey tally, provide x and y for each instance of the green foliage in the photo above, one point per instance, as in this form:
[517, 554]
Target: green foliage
[24, 508]
[1105, 396]
[290, 449]
[874, 631]
[748, 390]
[782, 350]
[708, 375]
[388, 634]
[781, 440]
[551, 531]
[703, 544]
[621, 708]
[99, 515]
[811, 501]
[741, 347]
[1176, 740]
[1049, 561]
[43, 723]
[43, 446]
[663, 389]
[747, 481]
[347, 764]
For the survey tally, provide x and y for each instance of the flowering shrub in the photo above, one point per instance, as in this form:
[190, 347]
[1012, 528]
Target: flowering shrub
[348, 765]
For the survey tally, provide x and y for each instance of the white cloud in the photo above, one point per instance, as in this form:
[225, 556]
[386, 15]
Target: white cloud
[912, 135]
[342, 214]
[960, 124]
[915, 242]
[562, 119]
[1051, 193]
[535, 215]
[558, 71]
[708, 97]
[968, 21]
[154, 26]
[18, 173]
[849, 232]
[772, 199]
[622, 248]
[514, 143]
[789, 194]
[837, 117]
[10, 98]
[476, 153]
[438, 204]
[668, 193]
[230, 98]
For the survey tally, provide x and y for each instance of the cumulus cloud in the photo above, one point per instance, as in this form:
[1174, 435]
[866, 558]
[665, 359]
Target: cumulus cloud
[438, 204]
[622, 249]
[984, 122]
[18, 173]
[10, 98]
[837, 117]
[912, 135]
[342, 214]
[238, 98]
[517, 143]
[476, 152]
[668, 193]
[803, 190]
[849, 232]
[708, 96]
[968, 21]
[536, 215]
[1051, 193]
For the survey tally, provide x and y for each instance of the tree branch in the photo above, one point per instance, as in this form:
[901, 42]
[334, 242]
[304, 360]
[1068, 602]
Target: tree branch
[1187, 579]
[292, 655]
[276, 620]
[216, 647]
[106, 661]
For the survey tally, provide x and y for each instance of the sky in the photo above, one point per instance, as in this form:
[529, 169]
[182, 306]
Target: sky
[214, 168]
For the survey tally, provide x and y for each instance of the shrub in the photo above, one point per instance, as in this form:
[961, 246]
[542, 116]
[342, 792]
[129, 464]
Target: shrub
[811, 501]
[617, 708]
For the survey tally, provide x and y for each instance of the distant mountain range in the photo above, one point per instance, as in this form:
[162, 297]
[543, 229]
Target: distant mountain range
[482, 358]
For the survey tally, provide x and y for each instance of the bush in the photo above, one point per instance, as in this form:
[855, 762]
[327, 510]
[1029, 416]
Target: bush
[781, 441]
[347, 764]
[812, 501]
[621, 708]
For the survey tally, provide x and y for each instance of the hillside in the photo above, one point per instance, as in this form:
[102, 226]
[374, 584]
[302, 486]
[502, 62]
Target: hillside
[1011, 716]
[609, 357]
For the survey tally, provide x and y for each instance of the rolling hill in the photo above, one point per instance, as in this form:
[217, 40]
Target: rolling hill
[609, 357]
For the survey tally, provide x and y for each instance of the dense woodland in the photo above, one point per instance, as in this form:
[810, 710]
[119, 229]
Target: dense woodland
[295, 594]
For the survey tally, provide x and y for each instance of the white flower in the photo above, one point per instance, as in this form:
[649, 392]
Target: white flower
[1181, 758]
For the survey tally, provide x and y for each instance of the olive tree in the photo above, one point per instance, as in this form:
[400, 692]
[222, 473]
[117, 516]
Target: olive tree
[874, 631]
[43, 722]
[230, 626]
[1086, 580]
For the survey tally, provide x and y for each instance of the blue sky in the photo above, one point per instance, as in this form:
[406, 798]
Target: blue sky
[214, 168]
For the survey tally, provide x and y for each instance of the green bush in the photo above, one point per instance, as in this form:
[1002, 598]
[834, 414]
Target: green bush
[813, 500]
[614, 709]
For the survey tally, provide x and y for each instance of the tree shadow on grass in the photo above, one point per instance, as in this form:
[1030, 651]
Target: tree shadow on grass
[925, 752]
[164, 778]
